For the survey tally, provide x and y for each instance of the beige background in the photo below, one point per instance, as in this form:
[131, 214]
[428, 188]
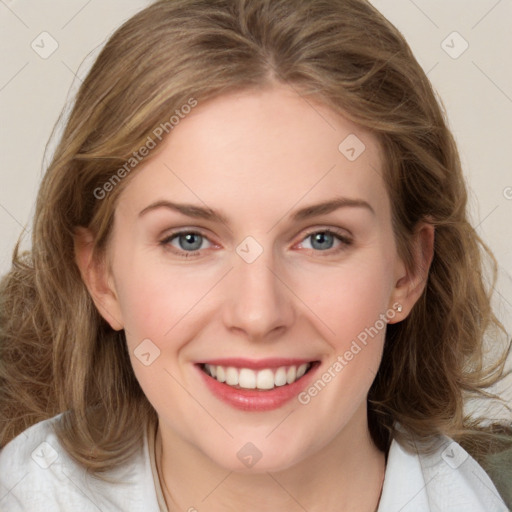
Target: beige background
[475, 86]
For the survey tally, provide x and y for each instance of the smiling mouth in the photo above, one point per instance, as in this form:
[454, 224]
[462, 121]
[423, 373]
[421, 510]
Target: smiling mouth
[264, 379]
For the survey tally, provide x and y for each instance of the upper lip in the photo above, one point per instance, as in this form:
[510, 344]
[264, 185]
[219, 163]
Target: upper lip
[257, 364]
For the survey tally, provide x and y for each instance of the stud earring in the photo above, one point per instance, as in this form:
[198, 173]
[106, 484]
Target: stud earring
[399, 308]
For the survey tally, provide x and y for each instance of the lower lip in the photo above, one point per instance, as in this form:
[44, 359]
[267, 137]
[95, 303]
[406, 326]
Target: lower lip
[255, 400]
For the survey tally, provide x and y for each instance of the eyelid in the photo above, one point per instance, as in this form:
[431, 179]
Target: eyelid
[171, 233]
[342, 233]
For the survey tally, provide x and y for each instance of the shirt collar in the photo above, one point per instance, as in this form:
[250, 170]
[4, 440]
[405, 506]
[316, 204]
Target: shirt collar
[445, 478]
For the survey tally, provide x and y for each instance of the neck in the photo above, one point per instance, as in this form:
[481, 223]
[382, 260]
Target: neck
[345, 475]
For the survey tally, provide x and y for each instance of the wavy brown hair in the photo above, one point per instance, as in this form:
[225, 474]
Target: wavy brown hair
[57, 354]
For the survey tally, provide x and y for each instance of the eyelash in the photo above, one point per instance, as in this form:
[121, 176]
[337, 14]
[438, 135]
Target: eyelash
[345, 242]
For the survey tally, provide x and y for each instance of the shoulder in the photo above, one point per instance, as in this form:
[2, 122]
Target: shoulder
[36, 473]
[445, 477]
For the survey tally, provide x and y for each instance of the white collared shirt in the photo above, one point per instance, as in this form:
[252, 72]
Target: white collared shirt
[37, 474]
[448, 479]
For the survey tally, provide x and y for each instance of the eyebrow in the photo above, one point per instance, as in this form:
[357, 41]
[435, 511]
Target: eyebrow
[307, 212]
[330, 206]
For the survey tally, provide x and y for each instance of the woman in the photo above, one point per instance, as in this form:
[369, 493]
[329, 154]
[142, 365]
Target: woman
[253, 283]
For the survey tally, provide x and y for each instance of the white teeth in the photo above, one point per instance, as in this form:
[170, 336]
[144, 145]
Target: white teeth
[301, 370]
[247, 378]
[257, 379]
[280, 376]
[221, 374]
[265, 379]
[291, 374]
[232, 376]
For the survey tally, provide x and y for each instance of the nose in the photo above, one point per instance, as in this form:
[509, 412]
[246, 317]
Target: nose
[258, 302]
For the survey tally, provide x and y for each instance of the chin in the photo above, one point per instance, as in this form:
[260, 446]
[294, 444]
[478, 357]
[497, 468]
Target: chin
[257, 457]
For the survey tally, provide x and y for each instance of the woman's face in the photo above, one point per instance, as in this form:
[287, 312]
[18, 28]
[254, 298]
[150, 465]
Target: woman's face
[259, 243]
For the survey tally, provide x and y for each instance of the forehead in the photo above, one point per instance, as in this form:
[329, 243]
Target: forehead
[269, 146]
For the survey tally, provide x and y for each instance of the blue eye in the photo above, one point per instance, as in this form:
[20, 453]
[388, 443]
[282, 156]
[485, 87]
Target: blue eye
[189, 241]
[322, 240]
[325, 240]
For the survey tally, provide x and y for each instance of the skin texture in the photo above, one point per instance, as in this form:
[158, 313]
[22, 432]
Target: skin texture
[257, 157]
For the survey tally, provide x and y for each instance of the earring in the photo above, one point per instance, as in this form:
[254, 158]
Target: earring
[399, 308]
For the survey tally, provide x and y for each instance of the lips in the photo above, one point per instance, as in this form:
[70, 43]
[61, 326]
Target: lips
[257, 385]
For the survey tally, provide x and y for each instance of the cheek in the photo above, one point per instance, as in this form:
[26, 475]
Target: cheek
[350, 298]
[351, 304]
[155, 297]
[157, 304]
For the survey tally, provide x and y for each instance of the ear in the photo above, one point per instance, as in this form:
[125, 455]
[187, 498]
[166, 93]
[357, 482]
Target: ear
[97, 278]
[410, 284]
